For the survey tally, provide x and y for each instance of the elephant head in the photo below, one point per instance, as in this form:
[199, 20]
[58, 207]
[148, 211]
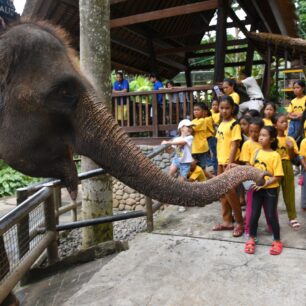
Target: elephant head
[48, 111]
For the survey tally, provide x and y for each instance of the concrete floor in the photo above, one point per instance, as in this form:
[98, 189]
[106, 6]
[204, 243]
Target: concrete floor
[185, 263]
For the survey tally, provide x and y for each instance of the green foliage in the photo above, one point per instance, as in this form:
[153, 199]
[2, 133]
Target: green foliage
[140, 83]
[301, 12]
[11, 179]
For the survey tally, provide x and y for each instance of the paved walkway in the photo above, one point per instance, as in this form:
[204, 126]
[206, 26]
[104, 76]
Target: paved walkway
[185, 263]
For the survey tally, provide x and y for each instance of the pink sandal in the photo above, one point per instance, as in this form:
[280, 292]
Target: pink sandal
[277, 247]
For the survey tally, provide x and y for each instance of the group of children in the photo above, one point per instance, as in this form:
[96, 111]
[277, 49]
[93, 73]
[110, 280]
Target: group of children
[268, 141]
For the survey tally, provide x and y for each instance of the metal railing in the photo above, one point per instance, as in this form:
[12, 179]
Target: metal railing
[32, 227]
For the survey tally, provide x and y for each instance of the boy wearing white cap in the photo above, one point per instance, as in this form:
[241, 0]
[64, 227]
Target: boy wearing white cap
[183, 158]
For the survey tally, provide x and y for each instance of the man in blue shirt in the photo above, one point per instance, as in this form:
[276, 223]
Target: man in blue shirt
[156, 86]
[121, 85]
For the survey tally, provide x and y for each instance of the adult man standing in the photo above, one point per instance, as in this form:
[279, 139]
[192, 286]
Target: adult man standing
[121, 85]
[254, 92]
[156, 86]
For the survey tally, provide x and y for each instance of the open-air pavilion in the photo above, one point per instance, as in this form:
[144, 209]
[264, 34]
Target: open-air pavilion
[166, 36]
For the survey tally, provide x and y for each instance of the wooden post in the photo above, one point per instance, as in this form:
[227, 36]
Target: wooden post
[151, 51]
[250, 54]
[221, 41]
[267, 75]
[149, 211]
[57, 191]
[23, 231]
[154, 115]
[50, 224]
[277, 75]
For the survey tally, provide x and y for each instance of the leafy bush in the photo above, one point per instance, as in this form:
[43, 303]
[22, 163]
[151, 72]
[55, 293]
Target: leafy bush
[11, 179]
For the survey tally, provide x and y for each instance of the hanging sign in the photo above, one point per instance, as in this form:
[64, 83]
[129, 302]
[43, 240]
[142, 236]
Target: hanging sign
[7, 9]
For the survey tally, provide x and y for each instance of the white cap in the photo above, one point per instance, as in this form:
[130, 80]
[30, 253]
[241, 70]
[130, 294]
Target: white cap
[185, 122]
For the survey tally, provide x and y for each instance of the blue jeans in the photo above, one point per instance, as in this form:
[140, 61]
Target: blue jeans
[294, 128]
[184, 168]
[212, 142]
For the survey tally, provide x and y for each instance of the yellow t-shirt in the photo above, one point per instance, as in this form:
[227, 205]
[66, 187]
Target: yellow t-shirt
[282, 148]
[267, 122]
[248, 148]
[210, 131]
[215, 118]
[197, 174]
[297, 105]
[199, 144]
[305, 129]
[235, 97]
[227, 133]
[268, 161]
[303, 148]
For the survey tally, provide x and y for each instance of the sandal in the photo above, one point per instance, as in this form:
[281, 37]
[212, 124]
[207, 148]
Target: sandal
[221, 227]
[295, 224]
[238, 230]
[249, 247]
[277, 247]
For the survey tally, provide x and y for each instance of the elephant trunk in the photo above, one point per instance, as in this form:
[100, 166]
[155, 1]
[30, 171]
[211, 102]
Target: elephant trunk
[100, 138]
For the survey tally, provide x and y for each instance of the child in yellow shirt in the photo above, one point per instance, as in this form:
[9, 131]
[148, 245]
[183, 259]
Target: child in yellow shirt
[296, 108]
[269, 110]
[229, 88]
[266, 159]
[215, 112]
[287, 149]
[200, 149]
[228, 139]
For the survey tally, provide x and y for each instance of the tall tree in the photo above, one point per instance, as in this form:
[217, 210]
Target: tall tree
[95, 63]
[301, 12]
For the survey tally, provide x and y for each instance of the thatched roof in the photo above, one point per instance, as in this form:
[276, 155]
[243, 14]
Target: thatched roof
[279, 42]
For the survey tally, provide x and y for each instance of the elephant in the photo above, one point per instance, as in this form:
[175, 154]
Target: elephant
[49, 111]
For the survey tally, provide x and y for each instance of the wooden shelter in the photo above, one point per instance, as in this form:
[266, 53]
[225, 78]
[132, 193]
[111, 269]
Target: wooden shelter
[162, 36]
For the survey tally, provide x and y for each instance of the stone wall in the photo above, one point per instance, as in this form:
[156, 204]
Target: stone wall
[126, 198]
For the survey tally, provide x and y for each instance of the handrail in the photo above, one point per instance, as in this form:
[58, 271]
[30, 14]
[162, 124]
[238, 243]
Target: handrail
[15, 215]
[163, 90]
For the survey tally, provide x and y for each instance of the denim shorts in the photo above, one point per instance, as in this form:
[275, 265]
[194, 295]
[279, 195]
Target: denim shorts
[184, 168]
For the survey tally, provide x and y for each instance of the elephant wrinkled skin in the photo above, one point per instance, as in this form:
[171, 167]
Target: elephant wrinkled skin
[48, 111]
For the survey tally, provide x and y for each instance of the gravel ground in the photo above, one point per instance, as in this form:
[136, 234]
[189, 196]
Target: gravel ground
[71, 241]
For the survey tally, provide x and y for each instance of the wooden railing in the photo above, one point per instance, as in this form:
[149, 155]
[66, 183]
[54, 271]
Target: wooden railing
[152, 113]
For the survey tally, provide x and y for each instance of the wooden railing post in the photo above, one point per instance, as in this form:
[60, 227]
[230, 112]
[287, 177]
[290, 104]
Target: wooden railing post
[154, 115]
[57, 191]
[149, 213]
[23, 231]
[50, 223]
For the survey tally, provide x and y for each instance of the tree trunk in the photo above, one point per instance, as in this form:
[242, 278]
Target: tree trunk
[95, 63]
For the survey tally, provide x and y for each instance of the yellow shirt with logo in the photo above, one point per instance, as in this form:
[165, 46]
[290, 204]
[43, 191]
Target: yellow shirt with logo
[248, 148]
[227, 132]
[268, 161]
[297, 105]
[210, 131]
[267, 122]
[216, 118]
[235, 97]
[283, 149]
[197, 174]
[302, 152]
[199, 144]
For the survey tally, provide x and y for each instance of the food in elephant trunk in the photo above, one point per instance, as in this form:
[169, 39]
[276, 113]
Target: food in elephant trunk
[46, 117]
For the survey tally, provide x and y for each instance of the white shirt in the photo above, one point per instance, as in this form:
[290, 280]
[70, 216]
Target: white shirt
[252, 88]
[183, 153]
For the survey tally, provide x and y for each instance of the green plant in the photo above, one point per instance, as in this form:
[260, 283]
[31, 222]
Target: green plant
[11, 179]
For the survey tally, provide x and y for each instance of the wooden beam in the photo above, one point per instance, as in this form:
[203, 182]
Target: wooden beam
[237, 64]
[165, 61]
[165, 13]
[200, 30]
[117, 1]
[221, 39]
[250, 55]
[207, 54]
[234, 42]
[267, 75]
